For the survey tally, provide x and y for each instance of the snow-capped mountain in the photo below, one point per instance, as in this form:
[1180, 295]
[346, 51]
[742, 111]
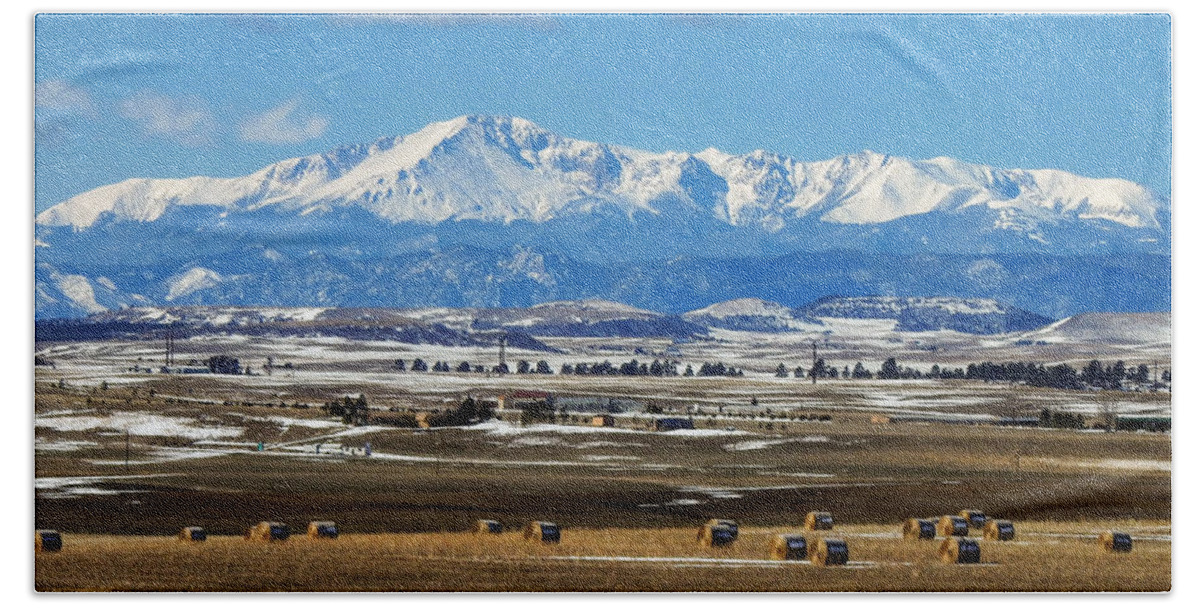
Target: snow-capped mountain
[486, 211]
[508, 169]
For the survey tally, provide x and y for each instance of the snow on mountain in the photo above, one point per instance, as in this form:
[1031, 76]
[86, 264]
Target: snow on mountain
[502, 169]
[190, 282]
[751, 314]
[1107, 328]
[59, 294]
[968, 315]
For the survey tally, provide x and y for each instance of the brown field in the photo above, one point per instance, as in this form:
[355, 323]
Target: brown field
[628, 493]
[1046, 556]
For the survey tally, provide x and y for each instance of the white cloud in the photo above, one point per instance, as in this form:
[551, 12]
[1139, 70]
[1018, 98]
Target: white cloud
[278, 126]
[63, 96]
[186, 120]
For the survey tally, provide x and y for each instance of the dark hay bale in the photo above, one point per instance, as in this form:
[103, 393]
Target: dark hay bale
[488, 526]
[818, 520]
[919, 529]
[543, 531]
[728, 523]
[268, 532]
[47, 541]
[1116, 542]
[952, 525]
[789, 547]
[959, 551]
[830, 552]
[322, 529]
[711, 535]
[192, 534]
[975, 518]
[999, 529]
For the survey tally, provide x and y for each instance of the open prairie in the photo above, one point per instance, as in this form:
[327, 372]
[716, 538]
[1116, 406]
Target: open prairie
[124, 460]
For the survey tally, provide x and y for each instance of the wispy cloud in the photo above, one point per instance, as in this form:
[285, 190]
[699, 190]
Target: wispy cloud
[62, 96]
[279, 125]
[186, 120]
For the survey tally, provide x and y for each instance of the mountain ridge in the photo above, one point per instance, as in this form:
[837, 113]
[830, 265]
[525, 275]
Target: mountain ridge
[514, 170]
[495, 211]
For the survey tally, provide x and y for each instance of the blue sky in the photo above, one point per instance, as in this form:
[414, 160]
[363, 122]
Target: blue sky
[171, 96]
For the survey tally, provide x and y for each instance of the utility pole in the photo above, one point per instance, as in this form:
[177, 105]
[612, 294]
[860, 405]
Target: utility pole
[1154, 385]
[126, 449]
[814, 363]
[503, 340]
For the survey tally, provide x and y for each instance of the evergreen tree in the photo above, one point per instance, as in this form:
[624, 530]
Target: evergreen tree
[890, 370]
[781, 371]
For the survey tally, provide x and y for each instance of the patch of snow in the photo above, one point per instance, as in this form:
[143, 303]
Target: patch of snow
[139, 424]
[191, 281]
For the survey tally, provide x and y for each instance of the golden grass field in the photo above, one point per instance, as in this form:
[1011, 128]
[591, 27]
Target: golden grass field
[1045, 556]
[621, 497]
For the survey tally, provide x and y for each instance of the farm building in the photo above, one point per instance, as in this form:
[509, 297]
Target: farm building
[598, 404]
[673, 424]
[520, 399]
[604, 420]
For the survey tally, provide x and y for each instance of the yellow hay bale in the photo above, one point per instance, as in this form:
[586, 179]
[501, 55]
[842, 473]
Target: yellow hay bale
[830, 552]
[999, 529]
[193, 534]
[975, 518]
[789, 547]
[543, 531]
[488, 526]
[1116, 542]
[728, 523]
[711, 535]
[47, 541]
[959, 551]
[818, 520]
[268, 531]
[322, 529]
[952, 525]
[919, 529]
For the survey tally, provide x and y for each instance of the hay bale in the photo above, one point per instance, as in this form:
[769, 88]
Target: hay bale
[789, 547]
[711, 535]
[543, 531]
[959, 551]
[268, 532]
[952, 525]
[192, 534]
[919, 529]
[322, 529]
[488, 526]
[830, 552]
[728, 523]
[999, 529]
[818, 520]
[1116, 542]
[975, 518]
[46, 541]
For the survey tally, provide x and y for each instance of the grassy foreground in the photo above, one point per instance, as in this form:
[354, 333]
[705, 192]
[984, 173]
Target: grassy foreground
[1046, 556]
